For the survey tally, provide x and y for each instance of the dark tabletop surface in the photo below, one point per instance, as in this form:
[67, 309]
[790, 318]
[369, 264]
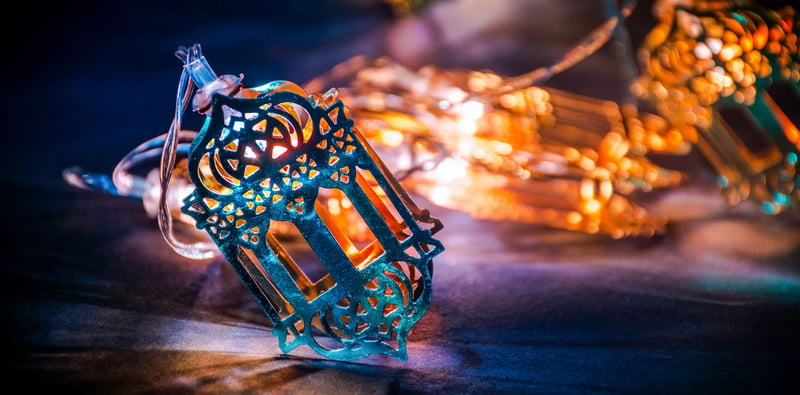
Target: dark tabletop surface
[95, 302]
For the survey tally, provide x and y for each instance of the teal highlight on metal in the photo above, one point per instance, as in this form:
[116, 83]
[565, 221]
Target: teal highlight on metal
[264, 155]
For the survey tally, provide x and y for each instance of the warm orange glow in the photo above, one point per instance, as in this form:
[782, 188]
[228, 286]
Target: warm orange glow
[533, 154]
[391, 138]
[726, 56]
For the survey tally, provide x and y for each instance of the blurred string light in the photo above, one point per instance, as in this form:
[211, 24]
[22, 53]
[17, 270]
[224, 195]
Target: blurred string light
[727, 75]
[497, 148]
[510, 149]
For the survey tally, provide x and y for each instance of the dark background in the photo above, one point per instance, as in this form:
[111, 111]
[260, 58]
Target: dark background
[95, 301]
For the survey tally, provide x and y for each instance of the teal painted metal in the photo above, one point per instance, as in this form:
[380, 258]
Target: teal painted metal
[265, 158]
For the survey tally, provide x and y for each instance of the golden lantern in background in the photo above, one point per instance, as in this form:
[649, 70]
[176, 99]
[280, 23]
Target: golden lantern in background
[727, 75]
[532, 154]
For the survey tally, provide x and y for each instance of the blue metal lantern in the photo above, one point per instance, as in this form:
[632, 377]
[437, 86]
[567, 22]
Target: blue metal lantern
[262, 159]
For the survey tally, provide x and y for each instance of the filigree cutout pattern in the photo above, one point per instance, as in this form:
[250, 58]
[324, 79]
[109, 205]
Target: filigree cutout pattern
[264, 159]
